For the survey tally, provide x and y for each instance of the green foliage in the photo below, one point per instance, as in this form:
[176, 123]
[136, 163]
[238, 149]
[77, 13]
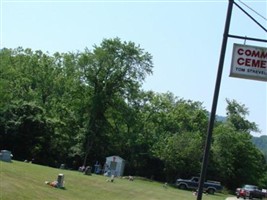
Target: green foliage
[39, 102]
[233, 153]
[180, 151]
[236, 114]
[240, 160]
[112, 70]
[261, 143]
[25, 125]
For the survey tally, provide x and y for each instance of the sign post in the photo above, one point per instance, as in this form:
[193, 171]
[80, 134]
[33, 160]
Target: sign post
[248, 62]
[215, 101]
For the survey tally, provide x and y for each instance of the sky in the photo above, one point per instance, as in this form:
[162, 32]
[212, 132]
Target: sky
[184, 38]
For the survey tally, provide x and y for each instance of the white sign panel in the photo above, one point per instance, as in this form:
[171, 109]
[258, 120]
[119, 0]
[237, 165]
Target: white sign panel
[249, 62]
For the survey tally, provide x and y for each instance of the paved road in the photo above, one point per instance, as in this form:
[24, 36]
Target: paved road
[233, 198]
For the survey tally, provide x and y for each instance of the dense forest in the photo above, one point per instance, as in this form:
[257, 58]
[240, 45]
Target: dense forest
[78, 108]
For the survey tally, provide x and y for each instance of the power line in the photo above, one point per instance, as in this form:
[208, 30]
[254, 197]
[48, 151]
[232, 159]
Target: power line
[253, 10]
[250, 16]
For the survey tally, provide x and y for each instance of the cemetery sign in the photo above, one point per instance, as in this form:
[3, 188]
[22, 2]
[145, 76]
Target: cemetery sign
[249, 62]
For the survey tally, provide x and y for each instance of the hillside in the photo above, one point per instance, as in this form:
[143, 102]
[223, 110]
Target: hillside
[27, 181]
[261, 143]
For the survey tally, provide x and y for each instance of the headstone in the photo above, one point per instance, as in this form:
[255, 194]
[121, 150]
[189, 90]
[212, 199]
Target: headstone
[97, 168]
[88, 170]
[60, 180]
[112, 178]
[5, 155]
[62, 166]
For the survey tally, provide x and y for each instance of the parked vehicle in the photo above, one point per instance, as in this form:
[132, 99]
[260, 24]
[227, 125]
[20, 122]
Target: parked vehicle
[250, 192]
[209, 186]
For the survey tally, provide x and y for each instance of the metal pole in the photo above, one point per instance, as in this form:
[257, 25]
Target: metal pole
[215, 100]
[247, 38]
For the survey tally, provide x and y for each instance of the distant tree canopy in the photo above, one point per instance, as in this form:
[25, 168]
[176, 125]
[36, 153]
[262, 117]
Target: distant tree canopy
[78, 108]
[261, 143]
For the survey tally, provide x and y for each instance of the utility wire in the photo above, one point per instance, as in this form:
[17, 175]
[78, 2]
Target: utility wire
[251, 17]
[253, 10]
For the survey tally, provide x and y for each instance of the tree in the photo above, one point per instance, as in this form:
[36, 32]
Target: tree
[45, 83]
[112, 69]
[233, 154]
[236, 114]
[27, 132]
[237, 160]
[261, 143]
[181, 154]
[176, 127]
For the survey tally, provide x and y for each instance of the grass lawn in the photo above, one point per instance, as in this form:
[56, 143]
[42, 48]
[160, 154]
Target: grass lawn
[19, 180]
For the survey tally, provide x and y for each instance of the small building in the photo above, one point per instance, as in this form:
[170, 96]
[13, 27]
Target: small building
[114, 165]
[5, 155]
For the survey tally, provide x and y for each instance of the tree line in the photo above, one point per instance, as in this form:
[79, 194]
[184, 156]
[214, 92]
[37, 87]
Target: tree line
[80, 107]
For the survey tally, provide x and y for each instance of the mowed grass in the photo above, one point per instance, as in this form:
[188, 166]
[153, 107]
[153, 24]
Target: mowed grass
[19, 180]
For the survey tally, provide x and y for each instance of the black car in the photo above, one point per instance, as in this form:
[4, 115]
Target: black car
[249, 191]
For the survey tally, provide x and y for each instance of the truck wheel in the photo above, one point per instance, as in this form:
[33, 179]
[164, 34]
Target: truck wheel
[211, 191]
[182, 186]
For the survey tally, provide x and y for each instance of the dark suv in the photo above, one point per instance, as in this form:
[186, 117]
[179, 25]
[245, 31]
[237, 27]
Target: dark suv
[249, 191]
